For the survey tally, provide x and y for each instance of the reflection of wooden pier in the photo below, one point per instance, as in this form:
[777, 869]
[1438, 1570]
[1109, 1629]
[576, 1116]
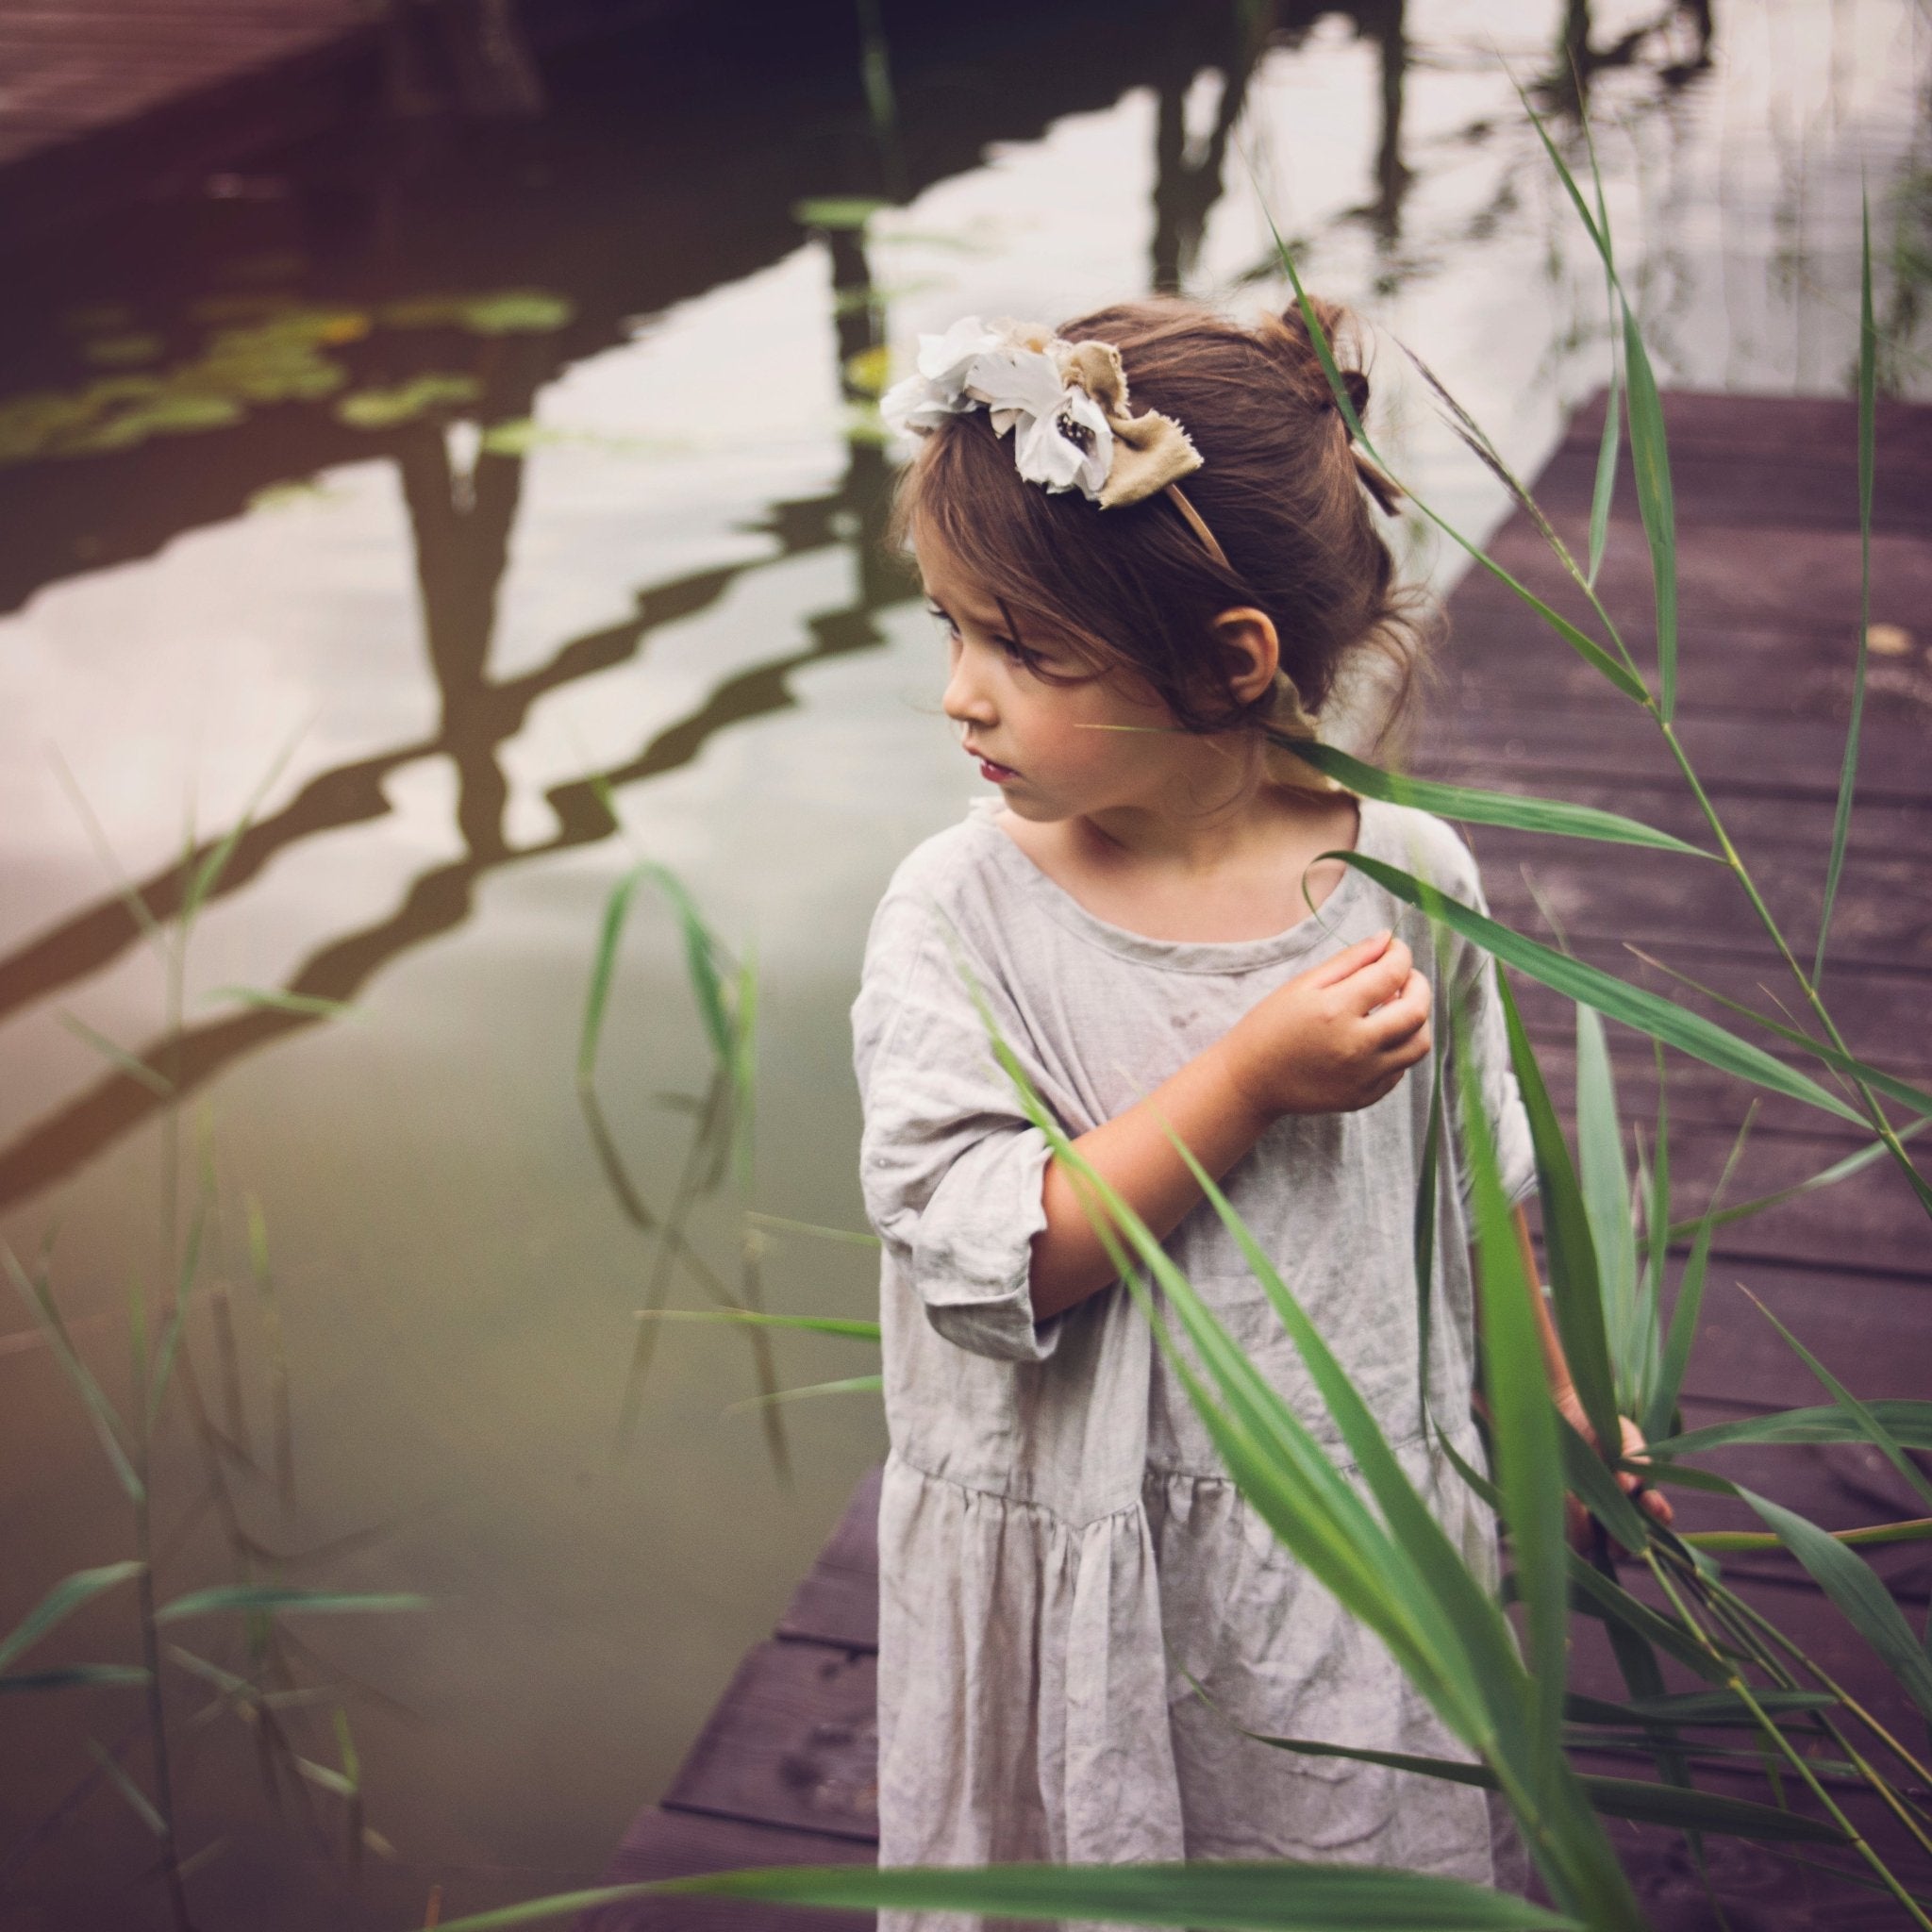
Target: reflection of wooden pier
[1767, 506]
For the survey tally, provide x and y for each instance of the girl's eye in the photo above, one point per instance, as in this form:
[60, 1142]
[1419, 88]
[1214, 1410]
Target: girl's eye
[941, 618]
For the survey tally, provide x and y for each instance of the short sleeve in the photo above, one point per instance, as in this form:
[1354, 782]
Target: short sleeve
[952, 1170]
[1486, 1036]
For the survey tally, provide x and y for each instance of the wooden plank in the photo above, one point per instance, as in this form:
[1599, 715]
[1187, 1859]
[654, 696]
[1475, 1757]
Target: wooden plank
[1766, 577]
[1796, 428]
[794, 1742]
[1535, 747]
[1719, 486]
[838, 1600]
[680, 1844]
[1870, 1333]
[1502, 653]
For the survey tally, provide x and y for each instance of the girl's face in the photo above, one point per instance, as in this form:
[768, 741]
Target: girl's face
[1054, 748]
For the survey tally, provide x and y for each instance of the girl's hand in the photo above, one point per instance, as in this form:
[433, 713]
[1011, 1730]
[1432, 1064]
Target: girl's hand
[1336, 1038]
[1577, 1518]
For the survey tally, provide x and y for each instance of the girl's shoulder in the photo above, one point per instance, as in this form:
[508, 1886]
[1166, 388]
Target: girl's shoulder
[946, 891]
[1422, 843]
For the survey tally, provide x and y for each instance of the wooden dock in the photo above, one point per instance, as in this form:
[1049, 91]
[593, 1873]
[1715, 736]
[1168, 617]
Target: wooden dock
[1767, 504]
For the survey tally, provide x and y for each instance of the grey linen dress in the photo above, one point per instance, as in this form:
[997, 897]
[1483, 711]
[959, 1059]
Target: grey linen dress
[1055, 1520]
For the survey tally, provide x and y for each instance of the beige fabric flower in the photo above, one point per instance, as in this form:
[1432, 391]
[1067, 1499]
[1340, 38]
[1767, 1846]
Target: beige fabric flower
[1064, 403]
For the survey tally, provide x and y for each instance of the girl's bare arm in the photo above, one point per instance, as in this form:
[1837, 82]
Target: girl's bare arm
[1563, 1388]
[1332, 1040]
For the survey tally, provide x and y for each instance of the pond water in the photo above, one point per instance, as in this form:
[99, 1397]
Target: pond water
[477, 515]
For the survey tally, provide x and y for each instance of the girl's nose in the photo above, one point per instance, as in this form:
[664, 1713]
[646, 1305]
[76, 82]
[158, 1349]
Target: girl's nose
[966, 700]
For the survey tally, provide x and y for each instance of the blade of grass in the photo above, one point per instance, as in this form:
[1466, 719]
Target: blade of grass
[138, 910]
[274, 1599]
[138, 1800]
[1868, 1423]
[1284, 1896]
[1656, 1222]
[1584, 647]
[1826, 1177]
[701, 957]
[131, 1064]
[1480, 1632]
[279, 999]
[1677, 1805]
[1852, 1585]
[202, 879]
[1423, 1238]
[1651, 464]
[1604, 484]
[1521, 813]
[1523, 1423]
[852, 1329]
[852, 1385]
[173, 1328]
[785, 1225]
[60, 1602]
[1575, 1846]
[1868, 372]
[1649, 452]
[1605, 1183]
[1607, 1600]
[1917, 1531]
[1909, 1423]
[1575, 1291]
[1692, 1708]
[1649, 1013]
[108, 1425]
[71, 1677]
[1684, 1318]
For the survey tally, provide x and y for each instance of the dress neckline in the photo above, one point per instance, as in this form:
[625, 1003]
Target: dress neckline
[1336, 918]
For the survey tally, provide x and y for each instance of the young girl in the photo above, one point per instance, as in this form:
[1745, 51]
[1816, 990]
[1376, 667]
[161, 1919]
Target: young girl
[1059, 1545]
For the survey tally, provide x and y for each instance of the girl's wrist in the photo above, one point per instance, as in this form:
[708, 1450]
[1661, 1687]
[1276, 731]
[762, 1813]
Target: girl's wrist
[1235, 1100]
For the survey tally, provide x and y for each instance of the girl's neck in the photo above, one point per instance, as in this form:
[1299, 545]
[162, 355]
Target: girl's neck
[1246, 871]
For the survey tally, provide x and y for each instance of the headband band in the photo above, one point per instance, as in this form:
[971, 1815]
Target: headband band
[1064, 403]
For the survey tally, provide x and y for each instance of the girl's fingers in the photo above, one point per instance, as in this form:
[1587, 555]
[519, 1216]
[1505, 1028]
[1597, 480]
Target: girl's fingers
[1402, 1016]
[1351, 959]
[1377, 983]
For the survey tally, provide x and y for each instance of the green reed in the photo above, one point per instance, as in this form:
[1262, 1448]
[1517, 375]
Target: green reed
[162, 1365]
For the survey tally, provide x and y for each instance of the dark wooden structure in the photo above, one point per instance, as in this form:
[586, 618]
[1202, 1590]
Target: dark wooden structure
[1767, 505]
[99, 91]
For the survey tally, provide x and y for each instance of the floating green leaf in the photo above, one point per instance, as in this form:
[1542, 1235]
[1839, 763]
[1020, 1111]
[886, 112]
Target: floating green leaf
[389, 408]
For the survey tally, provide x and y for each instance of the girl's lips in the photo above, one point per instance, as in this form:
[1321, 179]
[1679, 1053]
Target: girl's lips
[996, 774]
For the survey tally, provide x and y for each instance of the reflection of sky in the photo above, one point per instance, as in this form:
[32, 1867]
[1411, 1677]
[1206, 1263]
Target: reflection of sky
[459, 1280]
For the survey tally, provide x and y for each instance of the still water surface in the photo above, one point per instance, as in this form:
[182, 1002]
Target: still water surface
[466, 486]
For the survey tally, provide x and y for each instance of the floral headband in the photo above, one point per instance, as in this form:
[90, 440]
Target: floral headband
[1064, 403]
[1065, 406]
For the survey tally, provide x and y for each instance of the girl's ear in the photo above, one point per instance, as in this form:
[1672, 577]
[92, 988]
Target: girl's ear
[1253, 650]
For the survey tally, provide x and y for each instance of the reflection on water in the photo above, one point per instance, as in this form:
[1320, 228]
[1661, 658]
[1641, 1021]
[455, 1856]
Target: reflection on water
[572, 412]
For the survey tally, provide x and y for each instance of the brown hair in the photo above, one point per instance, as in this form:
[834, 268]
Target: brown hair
[1134, 588]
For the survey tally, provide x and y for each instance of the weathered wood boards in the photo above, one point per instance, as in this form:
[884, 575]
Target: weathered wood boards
[1768, 505]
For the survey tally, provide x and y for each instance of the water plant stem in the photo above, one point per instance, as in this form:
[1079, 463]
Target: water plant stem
[1734, 1680]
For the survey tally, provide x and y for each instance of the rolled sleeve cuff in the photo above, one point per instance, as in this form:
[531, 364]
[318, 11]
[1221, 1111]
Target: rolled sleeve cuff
[971, 1261]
